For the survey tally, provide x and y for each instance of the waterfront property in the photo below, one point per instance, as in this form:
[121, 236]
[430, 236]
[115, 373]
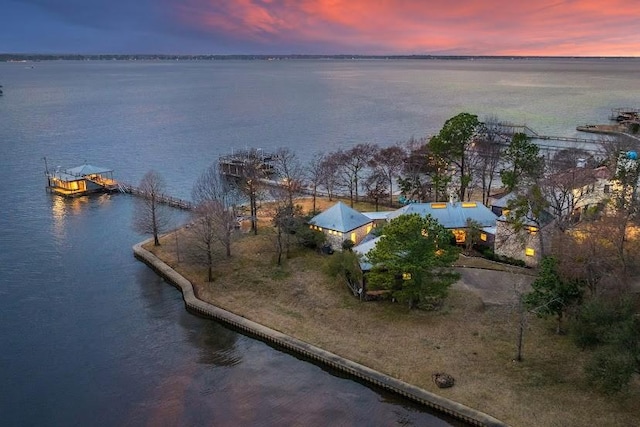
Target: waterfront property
[81, 180]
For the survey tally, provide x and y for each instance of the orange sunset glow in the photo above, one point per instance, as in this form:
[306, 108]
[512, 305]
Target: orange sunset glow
[325, 27]
[491, 27]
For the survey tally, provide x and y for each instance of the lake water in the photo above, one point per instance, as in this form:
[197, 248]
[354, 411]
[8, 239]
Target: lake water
[88, 335]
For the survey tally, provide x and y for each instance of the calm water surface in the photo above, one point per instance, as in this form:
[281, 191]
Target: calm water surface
[90, 336]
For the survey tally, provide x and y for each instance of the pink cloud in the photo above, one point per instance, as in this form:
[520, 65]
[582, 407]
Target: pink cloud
[491, 27]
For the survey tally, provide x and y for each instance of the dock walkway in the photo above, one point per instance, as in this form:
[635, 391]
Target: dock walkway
[162, 198]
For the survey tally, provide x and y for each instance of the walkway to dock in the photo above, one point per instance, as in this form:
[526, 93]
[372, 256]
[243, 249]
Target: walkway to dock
[162, 198]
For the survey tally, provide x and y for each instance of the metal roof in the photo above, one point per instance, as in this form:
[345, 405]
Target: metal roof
[450, 215]
[87, 170]
[362, 250]
[340, 217]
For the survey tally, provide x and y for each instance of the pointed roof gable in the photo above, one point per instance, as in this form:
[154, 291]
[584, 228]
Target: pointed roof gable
[86, 169]
[450, 215]
[340, 217]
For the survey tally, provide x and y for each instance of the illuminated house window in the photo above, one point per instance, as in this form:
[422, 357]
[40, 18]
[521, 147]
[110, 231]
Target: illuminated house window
[406, 276]
[533, 230]
[460, 235]
[438, 205]
[483, 237]
[469, 205]
[369, 228]
[505, 212]
[529, 252]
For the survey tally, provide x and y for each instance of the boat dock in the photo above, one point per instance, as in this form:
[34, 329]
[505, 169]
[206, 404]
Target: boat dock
[88, 179]
[235, 164]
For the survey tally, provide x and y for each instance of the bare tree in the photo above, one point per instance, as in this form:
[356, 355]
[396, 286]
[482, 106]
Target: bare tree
[314, 176]
[376, 186]
[352, 164]
[217, 203]
[286, 218]
[250, 182]
[329, 173]
[150, 216]
[290, 173]
[487, 151]
[389, 162]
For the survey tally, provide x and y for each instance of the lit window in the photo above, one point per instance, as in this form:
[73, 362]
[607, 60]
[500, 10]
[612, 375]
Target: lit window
[469, 205]
[460, 235]
[529, 252]
[406, 276]
[438, 205]
[533, 230]
[483, 237]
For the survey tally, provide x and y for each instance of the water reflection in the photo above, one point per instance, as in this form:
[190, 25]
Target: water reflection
[216, 343]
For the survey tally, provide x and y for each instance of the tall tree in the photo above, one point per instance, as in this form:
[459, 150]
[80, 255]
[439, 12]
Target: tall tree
[388, 162]
[376, 186]
[487, 151]
[250, 183]
[524, 163]
[313, 173]
[352, 165]
[216, 209]
[552, 294]
[329, 168]
[290, 172]
[425, 176]
[453, 143]
[150, 216]
[413, 260]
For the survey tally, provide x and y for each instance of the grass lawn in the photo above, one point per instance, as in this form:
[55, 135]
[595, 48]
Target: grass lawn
[473, 342]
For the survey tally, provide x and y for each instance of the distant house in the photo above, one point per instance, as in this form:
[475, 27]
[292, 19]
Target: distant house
[455, 216]
[577, 190]
[81, 180]
[499, 205]
[340, 223]
[524, 244]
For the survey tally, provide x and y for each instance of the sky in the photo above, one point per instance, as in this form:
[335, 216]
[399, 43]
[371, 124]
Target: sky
[362, 27]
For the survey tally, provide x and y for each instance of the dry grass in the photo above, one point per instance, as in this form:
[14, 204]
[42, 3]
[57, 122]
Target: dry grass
[473, 343]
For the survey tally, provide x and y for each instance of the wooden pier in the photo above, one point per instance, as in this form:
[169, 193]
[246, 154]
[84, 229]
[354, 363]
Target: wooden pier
[508, 130]
[161, 198]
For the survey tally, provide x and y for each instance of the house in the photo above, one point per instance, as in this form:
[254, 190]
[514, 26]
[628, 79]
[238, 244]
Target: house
[81, 180]
[576, 191]
[455, 216]
[341, 222]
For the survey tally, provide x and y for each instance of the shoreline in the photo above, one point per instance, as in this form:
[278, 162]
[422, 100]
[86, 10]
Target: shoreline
[316, 354]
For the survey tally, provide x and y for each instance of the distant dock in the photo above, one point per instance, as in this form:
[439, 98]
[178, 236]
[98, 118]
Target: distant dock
[238, 163]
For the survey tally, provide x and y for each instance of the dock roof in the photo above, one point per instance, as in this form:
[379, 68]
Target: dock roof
[87, 169]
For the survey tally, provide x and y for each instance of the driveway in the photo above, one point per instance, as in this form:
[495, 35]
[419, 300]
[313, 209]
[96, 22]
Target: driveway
[493, 287]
